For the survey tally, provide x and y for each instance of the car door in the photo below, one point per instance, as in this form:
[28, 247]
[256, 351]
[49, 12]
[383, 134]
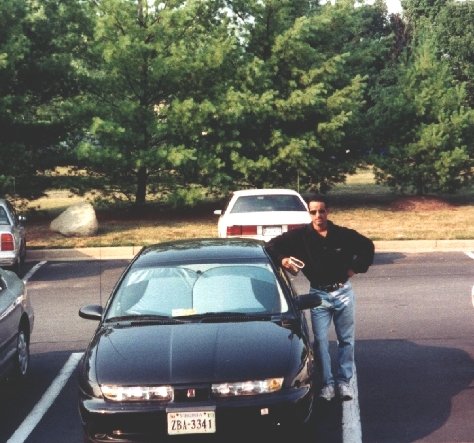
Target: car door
[10, 312]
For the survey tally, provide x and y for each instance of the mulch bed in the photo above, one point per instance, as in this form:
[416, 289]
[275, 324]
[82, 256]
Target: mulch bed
[420, 203]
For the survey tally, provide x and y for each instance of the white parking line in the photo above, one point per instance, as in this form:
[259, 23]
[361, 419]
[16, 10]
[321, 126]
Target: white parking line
[40, 409]
[351, 427]
[30, 273]
[470, 254]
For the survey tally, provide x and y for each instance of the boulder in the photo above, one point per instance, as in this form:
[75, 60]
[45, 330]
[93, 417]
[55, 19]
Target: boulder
[78, 220]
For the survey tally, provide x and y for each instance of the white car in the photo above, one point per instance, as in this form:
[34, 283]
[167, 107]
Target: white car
[262, 213]
[12, 237]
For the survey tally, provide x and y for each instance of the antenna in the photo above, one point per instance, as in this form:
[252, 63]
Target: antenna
[100, 270]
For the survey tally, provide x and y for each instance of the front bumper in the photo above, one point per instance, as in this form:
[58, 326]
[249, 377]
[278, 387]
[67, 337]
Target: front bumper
[105, 421]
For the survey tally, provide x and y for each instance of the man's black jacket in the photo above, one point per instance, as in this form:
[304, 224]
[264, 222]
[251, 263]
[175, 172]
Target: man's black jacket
[327, 259]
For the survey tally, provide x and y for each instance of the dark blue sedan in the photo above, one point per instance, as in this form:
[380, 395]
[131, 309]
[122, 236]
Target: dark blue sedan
[201, 338]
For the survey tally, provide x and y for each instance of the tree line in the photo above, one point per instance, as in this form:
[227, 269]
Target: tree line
[149, 96]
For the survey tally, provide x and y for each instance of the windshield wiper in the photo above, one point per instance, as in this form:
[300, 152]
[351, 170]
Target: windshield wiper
[209, 317]
[145, 319]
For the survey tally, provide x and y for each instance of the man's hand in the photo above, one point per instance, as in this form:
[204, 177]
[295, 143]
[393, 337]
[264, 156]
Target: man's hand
[292, 264]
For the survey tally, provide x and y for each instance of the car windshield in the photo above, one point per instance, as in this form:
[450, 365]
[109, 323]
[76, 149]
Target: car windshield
[197, 289]
[266, 203]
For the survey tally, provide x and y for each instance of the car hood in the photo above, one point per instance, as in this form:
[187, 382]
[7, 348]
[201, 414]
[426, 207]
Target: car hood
[268, 218]
[194, 352]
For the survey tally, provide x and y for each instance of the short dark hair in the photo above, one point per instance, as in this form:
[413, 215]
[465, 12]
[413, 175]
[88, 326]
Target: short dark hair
[314, 197]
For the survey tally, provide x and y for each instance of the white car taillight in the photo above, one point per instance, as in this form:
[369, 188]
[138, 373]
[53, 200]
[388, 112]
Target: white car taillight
[7, 242]
[241, 230]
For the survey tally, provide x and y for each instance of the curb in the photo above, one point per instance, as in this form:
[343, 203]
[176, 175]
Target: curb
[424, 246]
[128, 252]
[77, 254]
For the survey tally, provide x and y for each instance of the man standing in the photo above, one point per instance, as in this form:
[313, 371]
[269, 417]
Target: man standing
[331, 255]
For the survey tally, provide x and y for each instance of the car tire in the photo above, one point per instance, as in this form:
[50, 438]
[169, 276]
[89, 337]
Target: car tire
[22, 355]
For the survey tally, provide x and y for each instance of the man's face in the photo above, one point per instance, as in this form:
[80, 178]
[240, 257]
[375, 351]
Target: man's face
[319, 214]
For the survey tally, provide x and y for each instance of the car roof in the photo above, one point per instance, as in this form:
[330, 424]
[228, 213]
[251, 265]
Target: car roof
[5, 202]
[202, 250]
[264, 192]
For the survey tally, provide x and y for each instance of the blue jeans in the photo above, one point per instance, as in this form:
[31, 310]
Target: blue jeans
[337, 306]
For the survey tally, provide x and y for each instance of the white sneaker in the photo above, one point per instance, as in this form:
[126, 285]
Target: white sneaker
[345, 391]
[327, 392]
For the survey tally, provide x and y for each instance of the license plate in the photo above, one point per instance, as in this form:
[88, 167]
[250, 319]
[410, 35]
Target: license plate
[271, 230]
[191, 422]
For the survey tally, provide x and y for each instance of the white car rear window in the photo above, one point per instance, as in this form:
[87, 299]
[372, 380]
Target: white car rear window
[267, 203]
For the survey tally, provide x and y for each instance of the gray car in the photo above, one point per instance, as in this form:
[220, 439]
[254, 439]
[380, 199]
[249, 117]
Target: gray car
[16, 325]
[12, 237]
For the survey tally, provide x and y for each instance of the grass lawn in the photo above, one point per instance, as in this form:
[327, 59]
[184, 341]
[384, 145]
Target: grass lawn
[359, 203]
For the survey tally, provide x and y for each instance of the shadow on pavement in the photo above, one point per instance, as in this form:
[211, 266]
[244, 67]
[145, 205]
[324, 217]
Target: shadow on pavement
[406, 390]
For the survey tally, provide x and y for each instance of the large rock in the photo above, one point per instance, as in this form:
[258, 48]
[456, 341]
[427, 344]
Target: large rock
[78, 220]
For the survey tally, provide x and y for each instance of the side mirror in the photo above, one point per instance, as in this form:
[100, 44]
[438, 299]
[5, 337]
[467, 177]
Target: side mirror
[218, 212]
[307, 301]
[91, 312]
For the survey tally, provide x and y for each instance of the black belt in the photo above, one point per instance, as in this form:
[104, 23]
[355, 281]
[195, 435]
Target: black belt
[330, 287]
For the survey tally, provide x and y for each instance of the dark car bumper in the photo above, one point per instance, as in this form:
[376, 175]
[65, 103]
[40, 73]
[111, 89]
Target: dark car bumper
[139, 422]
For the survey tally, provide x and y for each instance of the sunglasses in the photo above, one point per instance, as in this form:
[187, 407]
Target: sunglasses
[315, 211]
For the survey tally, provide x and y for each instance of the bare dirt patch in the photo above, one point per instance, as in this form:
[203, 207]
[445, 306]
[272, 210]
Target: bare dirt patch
[420, 203]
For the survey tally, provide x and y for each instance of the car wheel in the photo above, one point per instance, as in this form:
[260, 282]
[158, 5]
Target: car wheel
[22, 362]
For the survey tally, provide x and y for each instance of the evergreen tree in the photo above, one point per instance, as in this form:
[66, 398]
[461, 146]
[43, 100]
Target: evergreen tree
[454, 32]
[425, 129]
[157, 64]
[39, 43]
[288, 119]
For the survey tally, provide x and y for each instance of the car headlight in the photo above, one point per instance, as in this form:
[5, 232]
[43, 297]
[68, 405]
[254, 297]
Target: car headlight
[137, 393]
[251, 387]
